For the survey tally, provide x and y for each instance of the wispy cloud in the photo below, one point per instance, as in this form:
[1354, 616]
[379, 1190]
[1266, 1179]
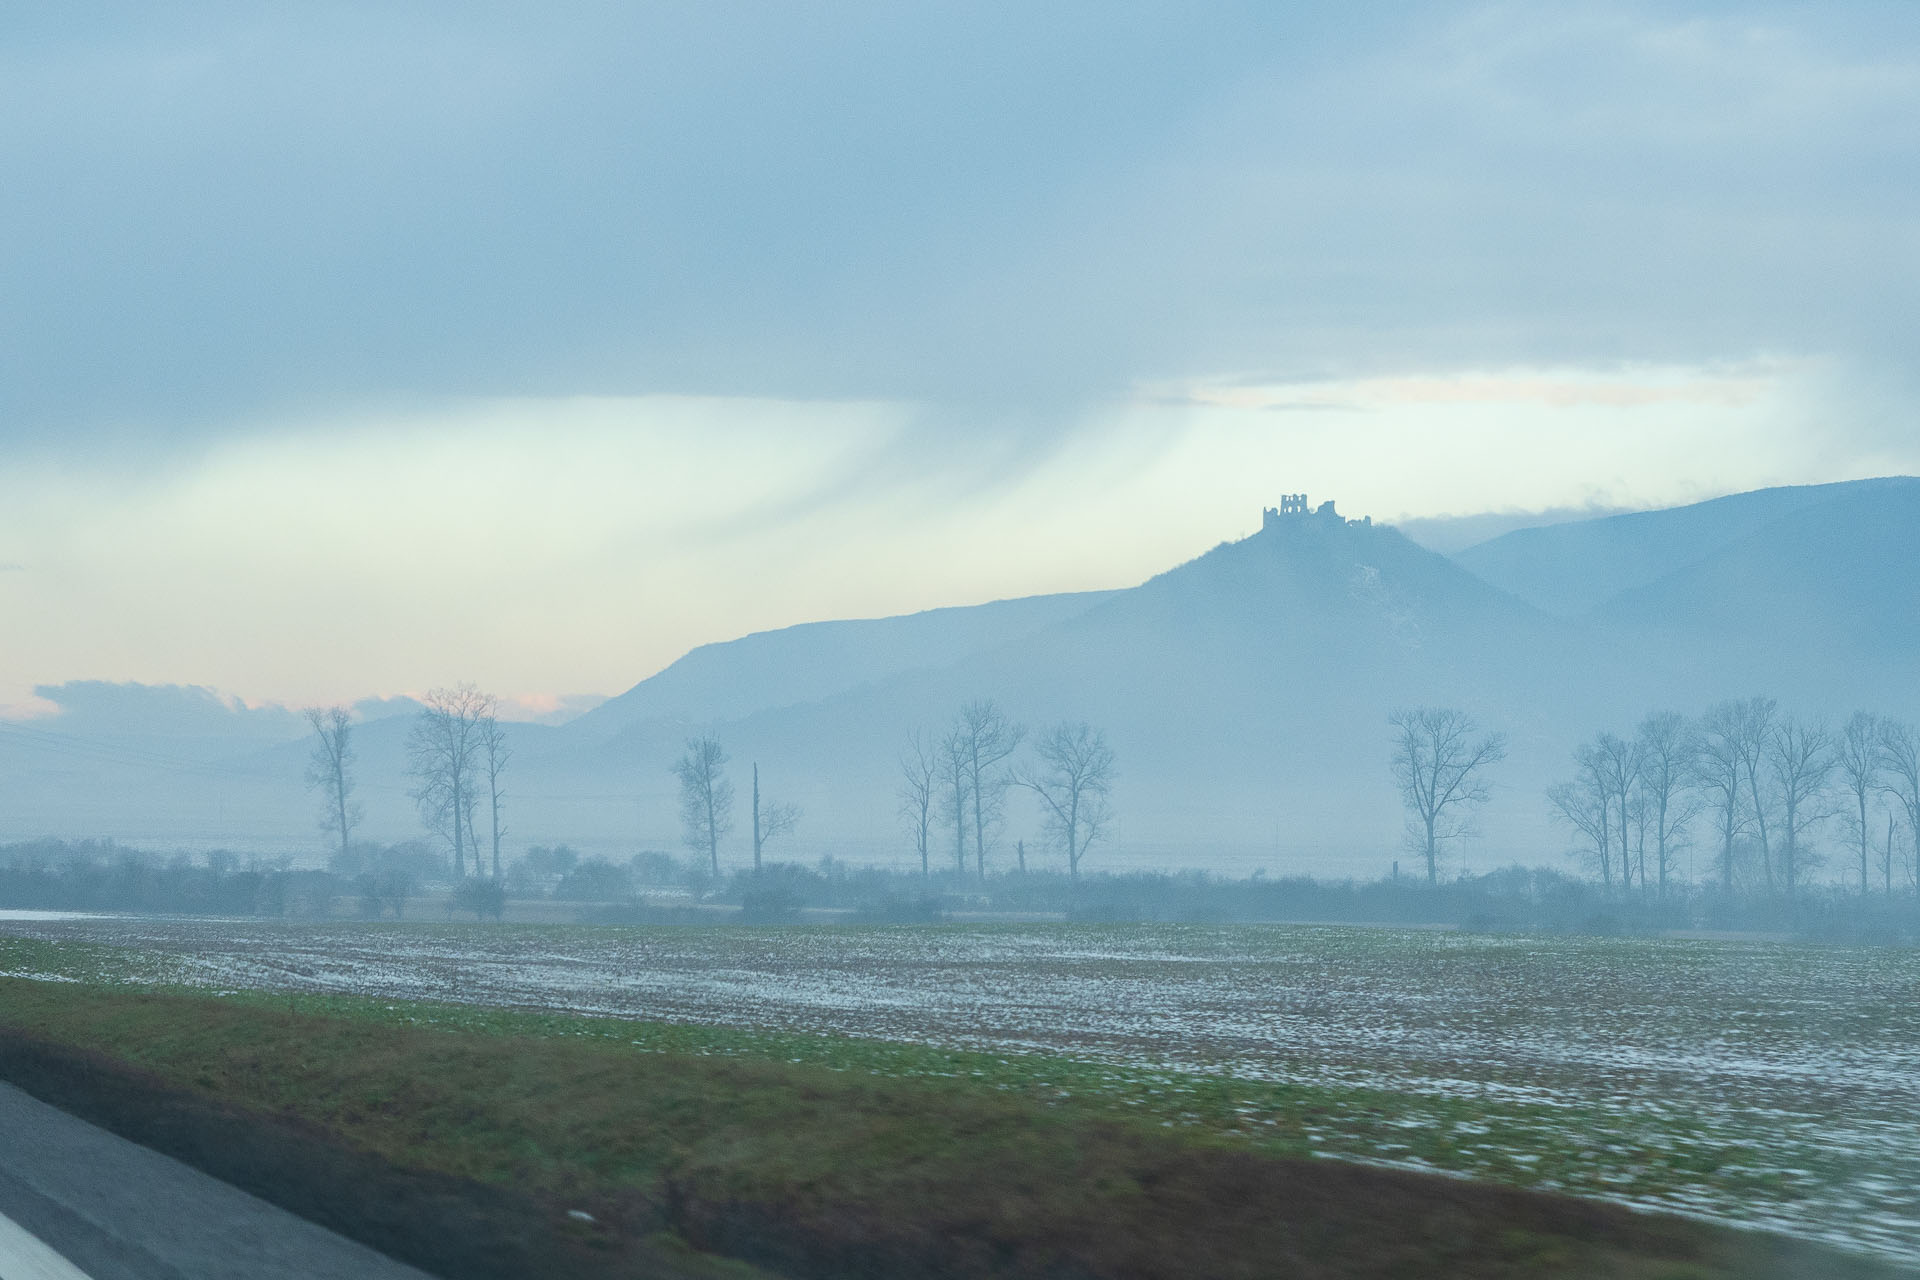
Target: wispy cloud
[641, 326]
[1565, 388]
[990, 211]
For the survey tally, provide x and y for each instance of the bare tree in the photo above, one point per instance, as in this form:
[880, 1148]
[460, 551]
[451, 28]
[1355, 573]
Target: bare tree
[1755, 721]
[1585, 806]
[1440, 764]
[706, 797]
[954, 775]
[1617, 762]
[919, 771]
[1075, 786]
[1718, 770]
[988, 738]
[1666, 765]
[1887, 855]
[1900, 769]
[1640, 818]
[442, 751]
[330, 771]
[495, 754]
[771, 821]
[1597, 789]
[1857, 757]
[1799, 758]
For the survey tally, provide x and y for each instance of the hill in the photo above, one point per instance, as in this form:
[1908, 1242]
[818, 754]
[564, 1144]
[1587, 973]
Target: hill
[1570, 569]
[812, 661]
[1822, 603]
[1245, 693]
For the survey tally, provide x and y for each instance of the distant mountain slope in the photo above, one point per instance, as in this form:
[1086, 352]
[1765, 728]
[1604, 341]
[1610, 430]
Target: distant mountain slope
[1568, 569]
[1824, 599]
[816, 660]
[1245, 692]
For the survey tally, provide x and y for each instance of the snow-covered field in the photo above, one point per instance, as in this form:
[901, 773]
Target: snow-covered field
[1767, 1083]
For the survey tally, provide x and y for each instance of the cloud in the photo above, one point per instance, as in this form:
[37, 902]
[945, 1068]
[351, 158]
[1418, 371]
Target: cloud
[694, 319]
[1630, 387]
[998, 210]
[108, 707]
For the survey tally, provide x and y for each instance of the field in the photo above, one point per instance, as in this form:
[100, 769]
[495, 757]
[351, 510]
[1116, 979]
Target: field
[1763, 1084]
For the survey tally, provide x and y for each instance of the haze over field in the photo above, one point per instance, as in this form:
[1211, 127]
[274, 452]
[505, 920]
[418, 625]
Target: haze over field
[539, 350]
[992, 640]
[1245, 692]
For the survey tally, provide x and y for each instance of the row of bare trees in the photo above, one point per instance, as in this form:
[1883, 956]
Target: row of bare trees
[457, 757]
[706, 804]
[1768, 785]
[957, 780]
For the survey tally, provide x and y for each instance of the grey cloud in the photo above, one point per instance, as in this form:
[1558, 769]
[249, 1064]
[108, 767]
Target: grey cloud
[108, 708]
[997, 211]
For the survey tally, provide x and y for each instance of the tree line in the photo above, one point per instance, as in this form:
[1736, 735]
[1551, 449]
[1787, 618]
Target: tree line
[1769, 788]
[457, 758]
[1767, 791]
[952, 782]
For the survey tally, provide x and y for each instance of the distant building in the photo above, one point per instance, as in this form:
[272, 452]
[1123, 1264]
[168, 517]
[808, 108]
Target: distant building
[1294, 506]
[1291, 504]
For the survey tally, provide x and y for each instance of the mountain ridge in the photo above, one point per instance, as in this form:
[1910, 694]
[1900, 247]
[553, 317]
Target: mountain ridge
[1245, 691]
[1568, 569]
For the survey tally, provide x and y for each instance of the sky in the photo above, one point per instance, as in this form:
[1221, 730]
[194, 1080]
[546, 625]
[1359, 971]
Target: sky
[352, 350]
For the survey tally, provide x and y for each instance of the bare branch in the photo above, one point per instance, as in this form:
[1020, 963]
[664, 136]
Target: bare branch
[330, 771]
[706, 797]
[1440, 765]
[1075, 783]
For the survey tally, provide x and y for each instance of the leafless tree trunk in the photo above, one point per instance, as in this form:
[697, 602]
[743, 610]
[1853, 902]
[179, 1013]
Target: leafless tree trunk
[953, 795]
[1886, 857]
[1584, 806]
[1666, 762]
[706, 797]
[1075, 786]
[1718, 764]
[1618, 764]
[330, 770]
[1900, 767]
[919, 769]
[1598, 789]
[1755, 718]
[774, 820]
[495, 754]
[1640, 818]
[1440, 764]
[1857, 756]
[1800, 759]
[442, 751]
[988, 738]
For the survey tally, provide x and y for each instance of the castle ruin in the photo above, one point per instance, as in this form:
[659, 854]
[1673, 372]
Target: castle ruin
[1294, 506]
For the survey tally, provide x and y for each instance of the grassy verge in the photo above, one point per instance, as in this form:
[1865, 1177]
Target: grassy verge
[461, 1138]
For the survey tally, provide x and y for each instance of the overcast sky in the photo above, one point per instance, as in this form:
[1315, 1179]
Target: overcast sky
[353, 350]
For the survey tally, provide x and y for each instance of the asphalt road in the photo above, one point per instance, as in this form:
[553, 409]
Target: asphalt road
[78, 1203]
